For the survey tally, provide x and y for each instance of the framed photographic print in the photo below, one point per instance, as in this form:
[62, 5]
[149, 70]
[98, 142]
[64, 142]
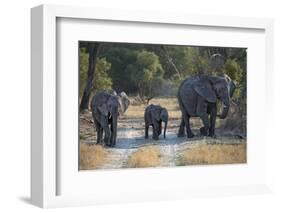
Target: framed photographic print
[171, 89]
[130, 106]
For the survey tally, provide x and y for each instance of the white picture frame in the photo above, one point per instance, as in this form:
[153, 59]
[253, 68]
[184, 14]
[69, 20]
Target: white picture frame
[45, 168]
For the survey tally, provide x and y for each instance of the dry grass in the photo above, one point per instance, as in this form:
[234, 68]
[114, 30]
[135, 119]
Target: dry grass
[92, 156]
[145, 157]
[136, 111]
[213, 154]
[86, 127]
[171, 104]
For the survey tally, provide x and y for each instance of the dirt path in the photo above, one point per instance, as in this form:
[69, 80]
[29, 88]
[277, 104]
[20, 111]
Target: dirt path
[123, 149]
[168, 154]
[130, 137]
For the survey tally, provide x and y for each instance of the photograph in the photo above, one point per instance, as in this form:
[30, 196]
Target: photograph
[161, 105]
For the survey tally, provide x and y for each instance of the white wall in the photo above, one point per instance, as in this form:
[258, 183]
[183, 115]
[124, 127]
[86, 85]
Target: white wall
[15, 103]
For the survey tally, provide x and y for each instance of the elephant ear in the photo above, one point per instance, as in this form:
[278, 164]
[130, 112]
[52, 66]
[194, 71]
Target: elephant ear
[205, 90]
[164, 115]
[103, 109]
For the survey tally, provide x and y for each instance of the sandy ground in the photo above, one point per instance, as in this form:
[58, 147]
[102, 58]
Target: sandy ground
[130, 137]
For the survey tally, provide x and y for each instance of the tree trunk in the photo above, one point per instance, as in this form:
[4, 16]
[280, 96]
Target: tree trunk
[148, 99]
[93, 53]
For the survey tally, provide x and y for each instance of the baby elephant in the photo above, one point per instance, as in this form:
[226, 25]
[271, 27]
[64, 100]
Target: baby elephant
[154, 115]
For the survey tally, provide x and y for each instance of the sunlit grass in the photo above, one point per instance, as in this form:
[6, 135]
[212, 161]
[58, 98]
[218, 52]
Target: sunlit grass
[145, 157]
[171, 104]
[92, 156]
[213, 154]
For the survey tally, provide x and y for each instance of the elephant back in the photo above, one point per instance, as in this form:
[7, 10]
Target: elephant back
[103, 98]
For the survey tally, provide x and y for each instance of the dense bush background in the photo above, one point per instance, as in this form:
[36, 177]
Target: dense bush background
[149, 70]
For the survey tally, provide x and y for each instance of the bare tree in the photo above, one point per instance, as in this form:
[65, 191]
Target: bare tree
[170, 60]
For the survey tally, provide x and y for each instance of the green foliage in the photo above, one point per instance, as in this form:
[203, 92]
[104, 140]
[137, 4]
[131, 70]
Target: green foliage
[83, 69]
[146, 73]
[235, 72]
[196, 63]
[120, 58]
[146, 67]
[151, 70]
[102, 81]
[202, 64]
[186, 59]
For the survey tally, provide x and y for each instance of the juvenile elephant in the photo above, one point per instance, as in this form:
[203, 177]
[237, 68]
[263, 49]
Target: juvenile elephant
[154, 115]
[198, 97]
[106, 108]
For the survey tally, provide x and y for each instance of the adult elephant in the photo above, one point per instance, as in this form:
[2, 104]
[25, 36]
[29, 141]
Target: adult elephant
[154, 115]
[106, 107]
[198, 97]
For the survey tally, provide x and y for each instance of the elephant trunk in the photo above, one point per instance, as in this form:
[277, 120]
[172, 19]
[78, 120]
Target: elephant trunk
[165, 129]
[226, 100]
[226, 105]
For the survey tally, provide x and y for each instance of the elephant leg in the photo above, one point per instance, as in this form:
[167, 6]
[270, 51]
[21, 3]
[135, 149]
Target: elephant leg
[111, 134]
[107, 135]
[202, 112]
[101, 135]
[113, 130]
[183, 113]
[98, 129]
[204, 130]
[160, 128]
[187, 125]
[213, 114]
[181, 129]
[146, 131]
[155, 131]
[188, 129]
